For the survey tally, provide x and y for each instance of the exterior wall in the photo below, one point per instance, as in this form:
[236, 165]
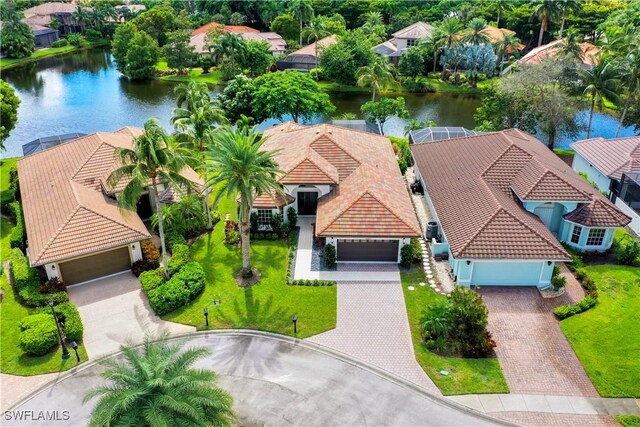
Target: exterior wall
[556, 224]
[635, 218]
[135, 251]
[292, 189]
[503, 272]
[52, 270]
[580, 164]
[403, 241]
[582, 244]
[438, 248]
[273, 212]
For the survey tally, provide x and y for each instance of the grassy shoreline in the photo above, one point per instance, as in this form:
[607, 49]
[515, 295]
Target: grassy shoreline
[50, 52]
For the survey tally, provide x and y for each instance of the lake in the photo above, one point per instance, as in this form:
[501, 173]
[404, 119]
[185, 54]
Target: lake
[84, 92]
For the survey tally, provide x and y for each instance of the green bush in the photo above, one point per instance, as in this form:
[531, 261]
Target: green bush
[151, 279]
[17, 238]
[402, 164]
[564, 311]
[418, 85]
[38, 334]
[179, 258]
[27, 282]
[583, 305]
[292, 218]
[576, 258]
[182, 288]
[628, 253]
[329, 255]
[60, 43]
[276, 224]
[580, 274]
[416, 250]
[93, 35]
[172, 238]
[215, 217]
[406, 256]
[73, 328]
[253, 222]
[77, 40]
[291, 255]
[315, 282]
[558, 282]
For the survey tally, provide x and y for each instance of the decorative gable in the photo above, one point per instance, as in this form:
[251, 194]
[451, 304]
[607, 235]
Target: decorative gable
[506, 167]
[307, 172]
[335, 155]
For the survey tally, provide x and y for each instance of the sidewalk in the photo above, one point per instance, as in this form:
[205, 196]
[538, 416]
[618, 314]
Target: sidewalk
[577, 405]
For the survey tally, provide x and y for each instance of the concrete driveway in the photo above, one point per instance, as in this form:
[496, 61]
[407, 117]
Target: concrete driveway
[116, 311]
[280, 381]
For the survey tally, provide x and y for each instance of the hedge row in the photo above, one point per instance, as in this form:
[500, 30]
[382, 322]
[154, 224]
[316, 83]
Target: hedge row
[312, 282]
[183, 287]
[17, 238]
[179, 258]
[27, 282]
[293, 246]
[589, 301]
[39, 333]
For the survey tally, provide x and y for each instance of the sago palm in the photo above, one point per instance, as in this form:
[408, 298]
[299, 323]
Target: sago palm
[600, 82]
[313, 32]
[377, 76]
[159, 386]
[154, 159]
[475, 33]
[239, 166]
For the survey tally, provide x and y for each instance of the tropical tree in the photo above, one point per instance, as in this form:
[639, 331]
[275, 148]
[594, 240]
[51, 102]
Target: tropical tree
[154, 159]
[570, 45]
[415, 124]
[313, 32]
[384, 109]
[240, 167]
[178, 51]
[377, 76]
[373, 25]
[631, 80]
[475, 33]
[227, 47]
[158, 385]
[447, 35]
[478, 59]
[142, 56]
[600, 82]
[566, 7]
[545, 11]
[302, 11]
[502, 6]
[508, 45]
[9, 103]
[17, 38]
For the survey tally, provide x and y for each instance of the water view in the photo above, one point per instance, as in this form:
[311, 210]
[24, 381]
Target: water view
[85, 93]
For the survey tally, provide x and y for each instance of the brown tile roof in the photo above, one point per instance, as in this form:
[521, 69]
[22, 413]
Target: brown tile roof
[371, 198]
[66, 213]
[612, 157]
[310, 49]
[598, 214]
[50, 8]
[225, 28]
[537, 55]
[473, 183]
[273, 200]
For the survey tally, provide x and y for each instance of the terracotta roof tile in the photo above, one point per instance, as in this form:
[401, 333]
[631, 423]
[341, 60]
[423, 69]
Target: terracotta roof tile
[612, 157]
[598, 214]
[537, 55]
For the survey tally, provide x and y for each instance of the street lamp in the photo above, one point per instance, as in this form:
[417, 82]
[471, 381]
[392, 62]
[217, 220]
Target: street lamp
[294, 319]
[65, 351]
[206, 316]
[74, 346]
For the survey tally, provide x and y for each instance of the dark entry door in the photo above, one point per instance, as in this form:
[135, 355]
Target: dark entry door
[307, 203]
[368, 251]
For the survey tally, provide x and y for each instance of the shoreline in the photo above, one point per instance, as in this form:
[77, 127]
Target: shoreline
[49, 52]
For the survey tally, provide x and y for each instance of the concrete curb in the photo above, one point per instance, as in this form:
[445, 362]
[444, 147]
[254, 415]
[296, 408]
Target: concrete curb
[292, 341]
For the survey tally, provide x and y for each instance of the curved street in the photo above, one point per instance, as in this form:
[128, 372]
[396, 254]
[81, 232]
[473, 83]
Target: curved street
[274, 381]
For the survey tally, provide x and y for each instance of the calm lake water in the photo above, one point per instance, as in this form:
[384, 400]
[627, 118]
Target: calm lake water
[85, 93]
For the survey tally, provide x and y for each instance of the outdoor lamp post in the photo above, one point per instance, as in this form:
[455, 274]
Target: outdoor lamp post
[65, 351]
[206, 316]
[294, 319]
[74, 346]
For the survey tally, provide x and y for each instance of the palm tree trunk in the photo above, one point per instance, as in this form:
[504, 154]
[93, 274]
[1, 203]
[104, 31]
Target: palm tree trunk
[301, 31]
[435, 59]
[154, 186]
[564, 18]
[317, 74]
[593, 105]
[373, 95]
[541, 33]
[246, 243]
[624, 114]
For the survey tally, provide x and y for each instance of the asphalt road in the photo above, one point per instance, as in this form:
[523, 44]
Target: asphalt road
[274, 381]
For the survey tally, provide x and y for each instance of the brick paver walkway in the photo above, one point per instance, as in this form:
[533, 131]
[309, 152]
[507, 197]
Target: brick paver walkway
[373, 327]
[535, 356]
[536, 419]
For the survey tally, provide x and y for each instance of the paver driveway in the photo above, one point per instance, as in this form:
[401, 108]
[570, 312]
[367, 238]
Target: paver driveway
[115, 311]
[535, 356]
[373, 327]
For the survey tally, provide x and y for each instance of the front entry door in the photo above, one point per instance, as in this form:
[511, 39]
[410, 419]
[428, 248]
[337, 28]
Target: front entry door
[307, 203]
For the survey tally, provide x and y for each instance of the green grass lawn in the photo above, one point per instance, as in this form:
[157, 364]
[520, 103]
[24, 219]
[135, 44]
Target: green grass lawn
[212, 78]
[6, 63]
[466, 376]
[606, 338]
[628, 420]
[13, 360]
[266, 306]
[5, 166]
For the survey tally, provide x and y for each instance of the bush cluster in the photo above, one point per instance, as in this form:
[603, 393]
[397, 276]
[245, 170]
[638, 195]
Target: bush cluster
[416, 250]
[418, 85]
[52, 286]
[292, 218]
[628, 253]
[576, 258]
[293, 246]
[27, 282]
[182, 288]
[151, 279]
[329, 255]
[179, 258]
[312, 282]
[558, 281]
[264, 236]
[150, 258]
[60, 43]
[77, 40]
[17, 238]
[38, 334]
[172, 238]
[231, 232]
[589, 301]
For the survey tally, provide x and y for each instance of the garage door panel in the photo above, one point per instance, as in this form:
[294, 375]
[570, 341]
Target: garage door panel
[368, 251]
[95, 266]
[506, 274]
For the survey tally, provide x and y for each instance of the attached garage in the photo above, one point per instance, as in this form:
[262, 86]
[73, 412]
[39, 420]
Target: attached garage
[367, 251]
[506, 274]
[95, 266]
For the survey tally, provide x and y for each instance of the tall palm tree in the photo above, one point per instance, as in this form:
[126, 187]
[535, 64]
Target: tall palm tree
[631, 81]
[302, 11]
[502, 6]
[229, 47]
[475, 32]
[545, 11]
[507, 46]
[239, 166]
[566, 7]
[158, 385]
[447, 35]
[600, 82]
[377, 76]
[154, 159]
[313, 32]
[81, 17]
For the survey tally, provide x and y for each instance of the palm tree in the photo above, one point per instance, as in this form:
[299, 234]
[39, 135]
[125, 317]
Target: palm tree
[301, 10]
[631, 80]
[378, 75]
[81, 17]
[508, 45]
[313, 32]
[373, 18]
[600, 82]
[239, 166]
[158, 385]
[570, 45]
[566, 7]
[447, 34]
[475, 33]
[502, 6]
[154, 159]
[546, 11]
[228, 46]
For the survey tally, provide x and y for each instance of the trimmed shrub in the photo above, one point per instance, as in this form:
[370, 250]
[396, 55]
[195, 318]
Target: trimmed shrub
[151, 279]
[60, 43]
[27, 282]
[576, 258]
[628, 253]
[38, 334]
[565, 311]
[150, 258]
[416, 250]
[179, 258]
[215, 217]
[276, 224]
[329, 255]
[73, 328]
[52, 285]
[253, 222]
[291, 255]
[182, 288]
[558, 282]
[93, 35]
[77, 40]
[292, 218]
[173, 238]
[580, 274]
[17, 238]
[406, 256]
[315, 282]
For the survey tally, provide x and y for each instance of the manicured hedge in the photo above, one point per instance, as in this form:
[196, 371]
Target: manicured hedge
[173, 238]
[27, 282]
[179, 258]
[18, 238]
[312, 282]
[329, 255]
[151, 279]
[38, 334]
[581, 306]
[293, 245]
[73, 328]
[182, 288]
[406, 256]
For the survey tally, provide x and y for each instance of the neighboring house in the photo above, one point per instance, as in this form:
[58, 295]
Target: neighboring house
[305, 59]
[75, 229]
[613, 165]
[431, 134]
[503, 203]
[349, 182]
[589, 54]
[403, 39]
[43, 36]
[45, 13]
[277, 45]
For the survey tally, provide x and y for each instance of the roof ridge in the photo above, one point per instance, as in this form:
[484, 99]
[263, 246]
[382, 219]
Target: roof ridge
[320, 168]
[359, 196]
[109, 218]
[306, 158]
[501, 156]
[554, 243]
[337, 145]
[86, 160]
[60, 228]
[389, 209]
[549, 171]
[469, 240]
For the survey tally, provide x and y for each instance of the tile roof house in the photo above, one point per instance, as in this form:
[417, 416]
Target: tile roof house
[504, 202]
[537, 55]
[43, 36]
[75, 228]
[44, 13]
[277, 45]
[305, 58]
[613, 165]
[350, 182]
[403, 39]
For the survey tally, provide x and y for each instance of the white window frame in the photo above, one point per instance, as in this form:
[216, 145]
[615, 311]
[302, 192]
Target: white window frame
[577, 228]
[264, 219]
[601, 233]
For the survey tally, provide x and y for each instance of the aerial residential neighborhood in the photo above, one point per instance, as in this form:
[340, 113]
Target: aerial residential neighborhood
[320, 212]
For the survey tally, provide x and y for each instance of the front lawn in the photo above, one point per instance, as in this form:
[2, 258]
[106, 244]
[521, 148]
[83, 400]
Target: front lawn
[628, 420]
[266, 306]
[13, 361]
[606, 338]
[195, 74]
[466, 375]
